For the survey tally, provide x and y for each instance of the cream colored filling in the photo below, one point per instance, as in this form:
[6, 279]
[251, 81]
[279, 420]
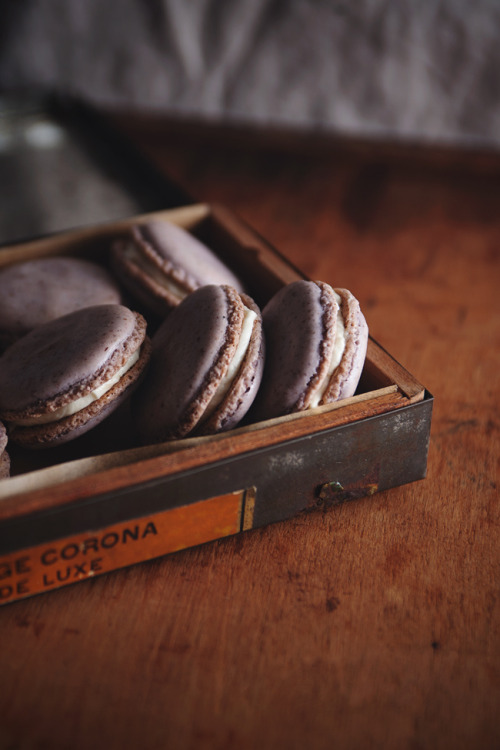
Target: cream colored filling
[81, 403]
[150, 269]
[235, 364]
[336, 357]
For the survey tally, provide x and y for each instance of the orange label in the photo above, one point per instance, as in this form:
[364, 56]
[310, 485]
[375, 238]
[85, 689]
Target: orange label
[74, 558]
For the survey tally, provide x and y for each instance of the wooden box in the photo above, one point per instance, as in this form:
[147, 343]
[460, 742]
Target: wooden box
[102, 502]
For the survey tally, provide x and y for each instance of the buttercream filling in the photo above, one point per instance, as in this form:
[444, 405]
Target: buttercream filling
[80, 403]
[336, 356]
[235, 364]
[133, 255]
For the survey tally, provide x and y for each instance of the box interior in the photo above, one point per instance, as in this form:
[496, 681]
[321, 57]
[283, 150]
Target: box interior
[384, 384]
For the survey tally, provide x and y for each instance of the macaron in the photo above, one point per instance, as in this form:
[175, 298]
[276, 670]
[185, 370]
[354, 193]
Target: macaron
[316, 341]
[36, 291]
[159, 263]
[4, 456]
[205, 368]
[66, 376]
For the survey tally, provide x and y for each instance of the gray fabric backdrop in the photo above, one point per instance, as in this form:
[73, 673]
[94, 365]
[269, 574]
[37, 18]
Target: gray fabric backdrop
[426, 69]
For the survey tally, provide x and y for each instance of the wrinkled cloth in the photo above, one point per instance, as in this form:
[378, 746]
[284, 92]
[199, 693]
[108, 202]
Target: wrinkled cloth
[403, 69]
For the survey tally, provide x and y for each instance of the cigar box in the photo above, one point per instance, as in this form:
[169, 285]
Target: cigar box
[104, 501]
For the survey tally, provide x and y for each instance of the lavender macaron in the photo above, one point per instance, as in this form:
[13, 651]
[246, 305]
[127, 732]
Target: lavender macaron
[159, 263]
[316, 341]
[4, 456]
[66, 376]
[206, 366]
[36, 291]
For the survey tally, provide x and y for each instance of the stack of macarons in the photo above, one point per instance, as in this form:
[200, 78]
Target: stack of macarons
[306, 349]
[198, 359]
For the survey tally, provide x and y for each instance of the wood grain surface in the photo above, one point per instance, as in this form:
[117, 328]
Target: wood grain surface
[372, 624]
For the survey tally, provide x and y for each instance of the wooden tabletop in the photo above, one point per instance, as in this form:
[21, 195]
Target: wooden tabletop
[372, 624]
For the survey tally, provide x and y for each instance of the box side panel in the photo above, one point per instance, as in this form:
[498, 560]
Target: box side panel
[354, 460]
[47, 550]
[343, 464]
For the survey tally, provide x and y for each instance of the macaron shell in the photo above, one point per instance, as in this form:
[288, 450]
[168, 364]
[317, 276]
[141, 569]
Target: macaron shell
[346, 377]
[299, 328]
[4, 456]
[244, 389]
[191, 353]
[3, 437]
[175, 253]
[56, 433]
[190, 261]
[4, 465]
[37, 291]
[145, 291]
[66, 358]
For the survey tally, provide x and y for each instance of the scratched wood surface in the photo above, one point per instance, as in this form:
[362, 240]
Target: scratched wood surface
[373, 624]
